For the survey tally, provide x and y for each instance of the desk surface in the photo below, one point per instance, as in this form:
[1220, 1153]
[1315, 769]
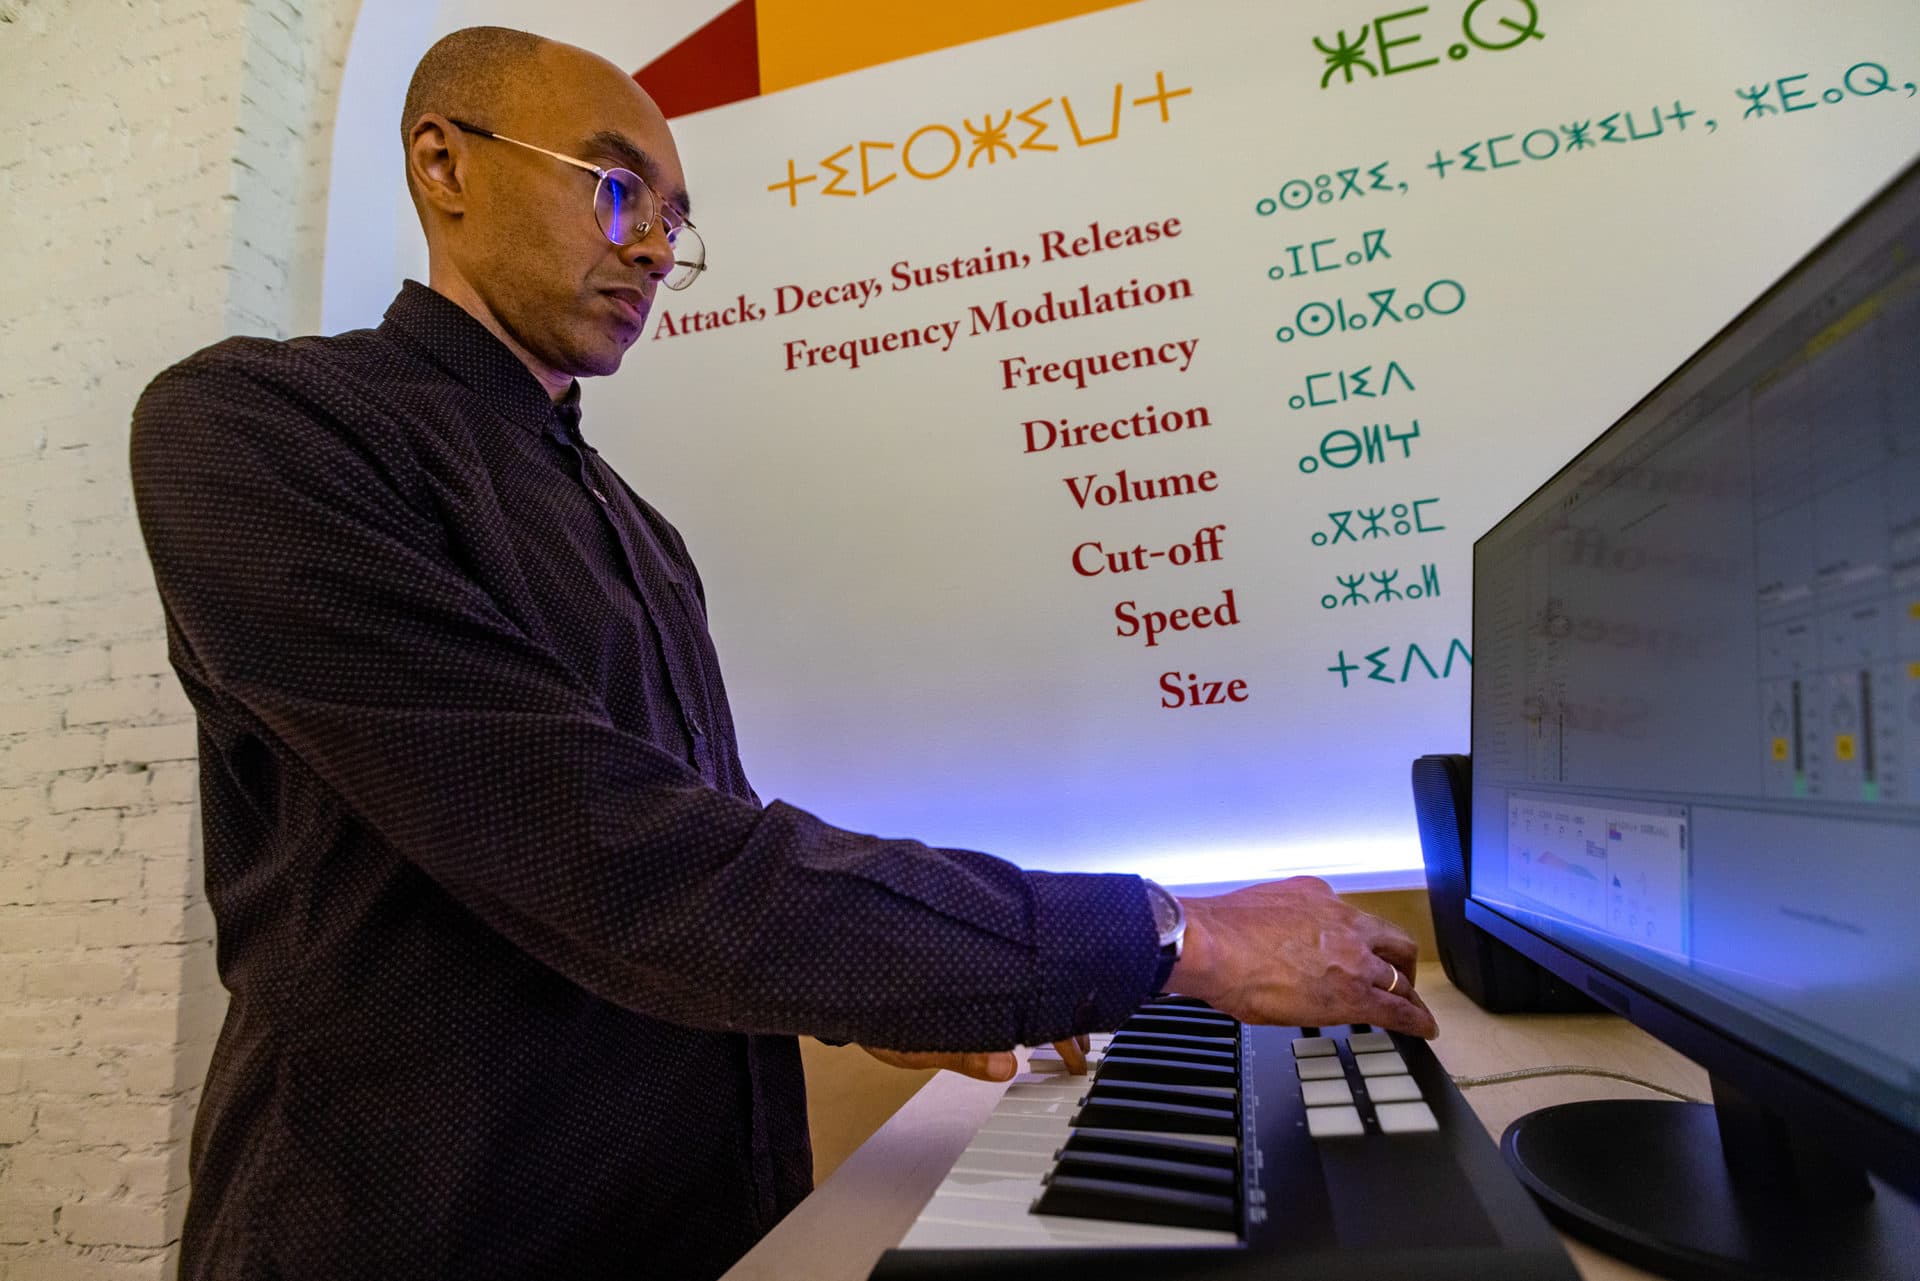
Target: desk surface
[839, 1232]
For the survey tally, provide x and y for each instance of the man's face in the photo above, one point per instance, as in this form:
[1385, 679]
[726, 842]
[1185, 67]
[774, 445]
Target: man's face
[528, 242]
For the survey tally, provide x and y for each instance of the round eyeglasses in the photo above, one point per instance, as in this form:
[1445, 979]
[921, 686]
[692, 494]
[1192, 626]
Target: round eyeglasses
[625, 208]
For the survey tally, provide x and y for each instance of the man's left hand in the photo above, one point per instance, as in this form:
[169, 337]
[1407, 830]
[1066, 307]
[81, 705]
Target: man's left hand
[998, 1065]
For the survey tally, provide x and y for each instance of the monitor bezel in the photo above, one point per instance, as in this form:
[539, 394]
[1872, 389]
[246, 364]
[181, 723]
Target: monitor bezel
[1878, 1142]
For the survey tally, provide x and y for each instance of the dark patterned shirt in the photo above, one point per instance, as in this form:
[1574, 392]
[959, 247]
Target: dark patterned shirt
[517, 957]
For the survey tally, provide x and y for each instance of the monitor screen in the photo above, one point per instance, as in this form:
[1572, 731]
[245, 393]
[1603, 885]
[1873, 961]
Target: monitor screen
[1696, 693]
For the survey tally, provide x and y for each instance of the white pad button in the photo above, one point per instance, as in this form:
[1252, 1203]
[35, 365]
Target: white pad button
[1320, 1069]
[1334, 1123]
[1404, 1118]
[1319, 1094]
[1393, 1089]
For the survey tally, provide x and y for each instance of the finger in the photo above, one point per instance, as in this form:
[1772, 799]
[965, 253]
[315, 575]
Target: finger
[1086, 1040]
[1402, 1013]
[1389, 978]
[1412, 996]
[1072, 1055]
[999, 1065]
[1392, 944]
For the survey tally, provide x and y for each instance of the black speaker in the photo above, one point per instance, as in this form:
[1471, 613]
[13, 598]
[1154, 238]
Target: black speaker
[1496, 977]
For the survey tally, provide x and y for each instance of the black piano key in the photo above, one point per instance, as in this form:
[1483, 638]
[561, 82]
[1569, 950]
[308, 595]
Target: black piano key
[1140, 1114]
[1176, 1053]
[1187, 1008]
[1125, 1039]
[1210, 1096]
[1166, 1071]
[1133, 1203]
[1190, 1013]
[1166, 1147]
[1153, 1171]
[1180, 1023]
[1182, 1002]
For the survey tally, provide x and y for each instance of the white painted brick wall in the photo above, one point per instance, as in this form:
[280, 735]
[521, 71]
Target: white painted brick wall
[162, 181]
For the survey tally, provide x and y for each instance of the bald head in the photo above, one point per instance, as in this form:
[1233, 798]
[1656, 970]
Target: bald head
[469, 72]
[501, 129]
[496, 76]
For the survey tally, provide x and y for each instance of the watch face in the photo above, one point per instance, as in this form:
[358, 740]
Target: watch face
[1166, 913]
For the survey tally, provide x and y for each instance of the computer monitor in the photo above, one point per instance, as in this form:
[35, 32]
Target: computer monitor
[1696, 776]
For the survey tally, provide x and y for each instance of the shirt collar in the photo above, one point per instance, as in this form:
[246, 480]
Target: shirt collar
[467, 350]
[565, 415]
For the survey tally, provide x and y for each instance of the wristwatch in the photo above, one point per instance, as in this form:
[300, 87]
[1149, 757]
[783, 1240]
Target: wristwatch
[1170, 918]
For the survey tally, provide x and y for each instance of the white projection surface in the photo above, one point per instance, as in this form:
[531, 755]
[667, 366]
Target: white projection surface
[1505, 220]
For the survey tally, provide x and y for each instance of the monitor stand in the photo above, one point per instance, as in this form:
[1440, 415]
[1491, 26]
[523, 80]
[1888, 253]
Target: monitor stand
[1651, 1182]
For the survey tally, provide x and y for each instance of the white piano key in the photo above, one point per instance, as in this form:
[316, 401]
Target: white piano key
[990, 1186]
[1000, 1219]
[1096, 1043]
[1025, 1134]
[1050, 1062]
[1045, 1090]
[936, 1234]
[1063, 1108]
[1045, 1078]
[986, 1160]
[1010, 1111]
[1053, 1127]
[1042, 1142]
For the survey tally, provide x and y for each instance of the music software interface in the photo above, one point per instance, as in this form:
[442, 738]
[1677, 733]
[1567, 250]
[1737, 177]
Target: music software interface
[1614, 868]
[1696, 705]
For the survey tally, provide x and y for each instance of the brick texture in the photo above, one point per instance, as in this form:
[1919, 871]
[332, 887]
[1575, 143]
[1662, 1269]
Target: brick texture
[163, 180]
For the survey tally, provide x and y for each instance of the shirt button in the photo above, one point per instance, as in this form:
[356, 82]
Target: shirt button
[596, 493]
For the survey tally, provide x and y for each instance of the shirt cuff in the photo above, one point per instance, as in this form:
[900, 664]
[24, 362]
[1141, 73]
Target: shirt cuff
[1163, 972]
[1096, 953]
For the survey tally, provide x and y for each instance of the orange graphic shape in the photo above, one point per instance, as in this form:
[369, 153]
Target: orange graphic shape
[797, 47]
[760, 46]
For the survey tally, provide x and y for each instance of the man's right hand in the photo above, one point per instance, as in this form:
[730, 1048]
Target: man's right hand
[1291, 952]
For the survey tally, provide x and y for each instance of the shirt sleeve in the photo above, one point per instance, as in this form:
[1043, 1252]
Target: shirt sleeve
[310, 585]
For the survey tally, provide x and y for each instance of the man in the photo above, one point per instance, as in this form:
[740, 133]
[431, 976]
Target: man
[517, 958]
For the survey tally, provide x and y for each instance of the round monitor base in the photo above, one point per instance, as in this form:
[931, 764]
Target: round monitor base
[1646, 1181]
